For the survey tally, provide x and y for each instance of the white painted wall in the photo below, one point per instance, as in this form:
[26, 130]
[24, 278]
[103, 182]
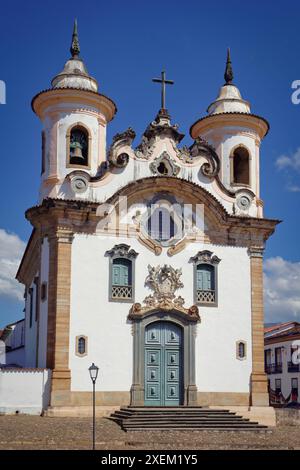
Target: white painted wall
[24, 391]
[43, 320]
[30, 331]
[109, 333]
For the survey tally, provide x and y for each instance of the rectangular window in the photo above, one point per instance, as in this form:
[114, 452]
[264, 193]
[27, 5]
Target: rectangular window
[122, 288]
[278, 386]
[278, 356]
[44, 291]
[205, 283]
[268, 357]
[294, 383]
[278, 361]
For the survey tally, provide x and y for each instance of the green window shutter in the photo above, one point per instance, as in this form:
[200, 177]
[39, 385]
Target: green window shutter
[205, 277]
[121, 272]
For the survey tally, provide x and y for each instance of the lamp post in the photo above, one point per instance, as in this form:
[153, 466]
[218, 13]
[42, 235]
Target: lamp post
[93, 370]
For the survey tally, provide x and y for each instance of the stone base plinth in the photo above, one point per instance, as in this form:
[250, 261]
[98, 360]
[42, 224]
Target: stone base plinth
[262, 414]
[79, 411]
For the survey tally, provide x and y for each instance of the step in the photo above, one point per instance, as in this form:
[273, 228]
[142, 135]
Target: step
[199, 425]
[181, 418]
[257, 430]
[172, 417]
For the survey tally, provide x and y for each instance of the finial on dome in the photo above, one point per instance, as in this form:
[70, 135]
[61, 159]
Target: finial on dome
[75, 48]
[228, 75]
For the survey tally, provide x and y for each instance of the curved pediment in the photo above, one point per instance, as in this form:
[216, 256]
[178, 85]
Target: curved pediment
[186, 191]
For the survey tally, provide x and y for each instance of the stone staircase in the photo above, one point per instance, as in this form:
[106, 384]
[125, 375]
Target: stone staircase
[182, 418]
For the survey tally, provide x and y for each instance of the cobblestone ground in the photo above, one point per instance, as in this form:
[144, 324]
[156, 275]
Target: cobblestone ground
[34, 432]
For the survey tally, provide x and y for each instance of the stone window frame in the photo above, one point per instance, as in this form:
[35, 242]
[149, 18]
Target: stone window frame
[231, 161]
[77, 353]
[125, 252]
[206, 257]
[241, 341]
[68, 137]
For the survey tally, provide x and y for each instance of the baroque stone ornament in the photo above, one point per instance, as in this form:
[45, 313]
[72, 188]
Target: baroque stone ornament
[205, 256]
[164, 166]
[243, 202]
[79, 181]
[201, 148]
[160, 127]
[164, 281]
[115, 157]
[123, 251]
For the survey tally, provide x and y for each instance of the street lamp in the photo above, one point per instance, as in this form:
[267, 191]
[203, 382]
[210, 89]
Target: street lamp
[93, 370]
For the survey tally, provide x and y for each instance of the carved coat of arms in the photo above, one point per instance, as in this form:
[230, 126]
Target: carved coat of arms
[164, 280]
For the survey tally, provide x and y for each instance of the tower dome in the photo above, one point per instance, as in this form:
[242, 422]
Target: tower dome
[74, 73]
[236, 134]
[229, 99]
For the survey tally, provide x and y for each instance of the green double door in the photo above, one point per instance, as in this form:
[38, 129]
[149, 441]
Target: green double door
[163, 364]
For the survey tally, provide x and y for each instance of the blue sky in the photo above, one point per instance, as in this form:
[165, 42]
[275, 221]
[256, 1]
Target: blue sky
[124, 45]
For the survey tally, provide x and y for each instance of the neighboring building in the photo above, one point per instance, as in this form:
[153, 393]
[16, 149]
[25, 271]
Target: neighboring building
[282, 361]
[13, 336]
[167, 297]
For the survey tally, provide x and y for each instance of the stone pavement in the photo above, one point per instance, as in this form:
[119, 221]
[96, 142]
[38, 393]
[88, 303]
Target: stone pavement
[34, 432]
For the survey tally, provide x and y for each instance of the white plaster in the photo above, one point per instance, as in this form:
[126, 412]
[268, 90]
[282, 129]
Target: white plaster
[109, 333]
[24, 391]
[43, 319]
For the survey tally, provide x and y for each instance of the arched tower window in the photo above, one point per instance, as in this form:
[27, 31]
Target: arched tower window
[241, 166]
[79, 146]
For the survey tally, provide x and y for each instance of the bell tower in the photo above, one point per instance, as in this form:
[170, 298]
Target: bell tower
[236, 134]
[74, 116]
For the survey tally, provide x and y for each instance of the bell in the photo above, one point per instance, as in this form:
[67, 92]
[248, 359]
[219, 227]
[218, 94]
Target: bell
[76, 150]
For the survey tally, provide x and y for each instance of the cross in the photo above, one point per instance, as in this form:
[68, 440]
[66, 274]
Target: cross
[163, 82]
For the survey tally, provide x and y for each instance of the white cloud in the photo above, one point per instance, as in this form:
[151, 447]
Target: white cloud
[293, 188]
[282, 290]
[291, 162]
[11, 251]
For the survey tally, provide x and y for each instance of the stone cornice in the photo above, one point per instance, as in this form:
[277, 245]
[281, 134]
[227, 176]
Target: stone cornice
[31, 259]
[50, 97]
[253, 121]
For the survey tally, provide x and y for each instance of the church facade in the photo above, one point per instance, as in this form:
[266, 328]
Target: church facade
[146, 259]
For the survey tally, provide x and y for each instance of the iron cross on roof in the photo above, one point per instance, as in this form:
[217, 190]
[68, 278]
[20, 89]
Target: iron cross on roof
[163, 82]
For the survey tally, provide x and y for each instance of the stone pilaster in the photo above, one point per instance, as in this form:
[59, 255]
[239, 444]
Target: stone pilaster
[259, 381]
[60, 246]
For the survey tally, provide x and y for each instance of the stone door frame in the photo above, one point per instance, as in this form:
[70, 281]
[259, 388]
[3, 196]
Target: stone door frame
[189, 328]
